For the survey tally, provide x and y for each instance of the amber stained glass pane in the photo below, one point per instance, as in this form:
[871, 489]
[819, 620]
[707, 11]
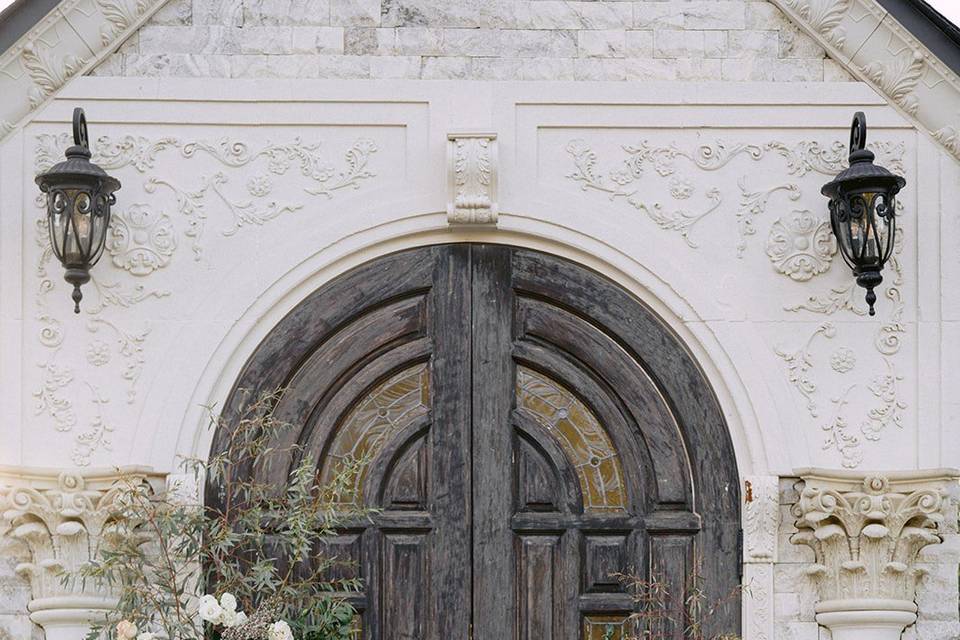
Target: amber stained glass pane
[389, 408]
[604, 627]
[581, 436]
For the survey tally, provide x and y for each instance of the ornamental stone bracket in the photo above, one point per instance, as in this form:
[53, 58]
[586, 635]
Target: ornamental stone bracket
[867, 531]
[472, 179]
[60, 516]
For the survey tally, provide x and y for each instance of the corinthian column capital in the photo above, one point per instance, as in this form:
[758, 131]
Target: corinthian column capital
[867, 531]
[61, 516]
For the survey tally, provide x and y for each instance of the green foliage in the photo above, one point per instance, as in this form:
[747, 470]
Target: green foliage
[260, 539]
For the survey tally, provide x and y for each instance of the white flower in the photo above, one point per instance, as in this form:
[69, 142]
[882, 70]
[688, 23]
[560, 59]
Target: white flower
[228, 602]
[279, 630]
[146, 635]
[228, 618]
[240, 619]
[210, 610]
[126, 630]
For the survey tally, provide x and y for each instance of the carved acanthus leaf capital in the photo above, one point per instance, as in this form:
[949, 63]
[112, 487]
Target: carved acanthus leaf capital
[867, 530]
[61, 516]
[472, 178]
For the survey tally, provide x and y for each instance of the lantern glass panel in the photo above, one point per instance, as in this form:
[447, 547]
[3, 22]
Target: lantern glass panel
[58, 221]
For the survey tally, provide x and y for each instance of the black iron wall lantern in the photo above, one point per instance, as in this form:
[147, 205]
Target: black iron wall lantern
[863, 208]
[79, 197]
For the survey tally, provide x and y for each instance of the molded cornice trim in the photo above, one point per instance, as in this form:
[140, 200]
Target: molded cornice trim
[69, 41]
[875, 48]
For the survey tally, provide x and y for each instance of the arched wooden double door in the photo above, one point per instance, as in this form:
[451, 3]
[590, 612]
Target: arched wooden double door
[528, 430]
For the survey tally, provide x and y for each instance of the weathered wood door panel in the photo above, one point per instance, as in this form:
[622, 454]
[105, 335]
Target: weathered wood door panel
[527, 431]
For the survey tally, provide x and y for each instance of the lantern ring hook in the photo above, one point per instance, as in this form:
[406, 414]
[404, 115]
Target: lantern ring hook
[858, 132]
[80, 128]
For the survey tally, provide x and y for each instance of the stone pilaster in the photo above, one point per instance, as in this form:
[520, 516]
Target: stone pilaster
[61, 516]
[867, 531]
[761, 522]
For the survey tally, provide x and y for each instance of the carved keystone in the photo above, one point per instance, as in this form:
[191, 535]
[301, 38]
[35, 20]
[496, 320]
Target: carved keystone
[472, 178]
[61, 518]
[866, 532]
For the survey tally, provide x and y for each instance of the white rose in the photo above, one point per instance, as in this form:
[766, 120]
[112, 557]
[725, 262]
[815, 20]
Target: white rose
[241, 618]
[126, 630]
[210, 610]
[279, 630]
[228, 602]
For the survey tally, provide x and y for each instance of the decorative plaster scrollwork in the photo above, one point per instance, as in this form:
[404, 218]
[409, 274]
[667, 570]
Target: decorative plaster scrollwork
[866, 532]
[843, 297]
[800, 362]
[889, 409]
[48, 398]
[113, 294]
[110, 153]
[753, 204]
[130, 346]
[681, 220]
[838, 435]
[899, 78]
[191, 205]
[280, 157]
[472, 178]
[97, 437]
[139, 240]
[801, 246]
[715, 156]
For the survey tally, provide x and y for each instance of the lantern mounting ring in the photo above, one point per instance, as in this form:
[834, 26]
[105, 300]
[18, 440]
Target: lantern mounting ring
[80, 137]
[858, 132]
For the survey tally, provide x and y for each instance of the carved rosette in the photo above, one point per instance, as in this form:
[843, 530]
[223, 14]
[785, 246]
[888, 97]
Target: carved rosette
[472, 178]
[61, 518]
[867, 532]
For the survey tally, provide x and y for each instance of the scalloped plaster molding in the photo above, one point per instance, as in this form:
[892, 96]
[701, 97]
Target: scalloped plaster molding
[67, 42]
[876, 49]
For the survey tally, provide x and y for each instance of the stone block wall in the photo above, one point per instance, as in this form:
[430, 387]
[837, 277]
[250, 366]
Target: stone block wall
[692, 40]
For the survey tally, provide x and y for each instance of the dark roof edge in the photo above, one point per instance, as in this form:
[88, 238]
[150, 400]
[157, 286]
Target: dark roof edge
[20, 17]
[928, 26]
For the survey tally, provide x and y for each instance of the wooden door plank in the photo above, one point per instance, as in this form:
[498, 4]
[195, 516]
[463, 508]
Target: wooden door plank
[494, 596]
[450, 570]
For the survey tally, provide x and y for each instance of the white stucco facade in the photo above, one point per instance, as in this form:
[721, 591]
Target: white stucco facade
[697, 191]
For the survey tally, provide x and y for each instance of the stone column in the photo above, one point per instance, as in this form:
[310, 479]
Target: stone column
[867, 531]
[60, 516]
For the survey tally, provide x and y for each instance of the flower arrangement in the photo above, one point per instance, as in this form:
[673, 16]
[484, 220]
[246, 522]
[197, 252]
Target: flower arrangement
[260, 546]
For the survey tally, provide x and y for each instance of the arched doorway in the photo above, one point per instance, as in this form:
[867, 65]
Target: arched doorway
[529, 429]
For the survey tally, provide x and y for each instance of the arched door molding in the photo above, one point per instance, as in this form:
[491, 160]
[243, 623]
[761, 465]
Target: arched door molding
[434, 352]
[270, 302]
